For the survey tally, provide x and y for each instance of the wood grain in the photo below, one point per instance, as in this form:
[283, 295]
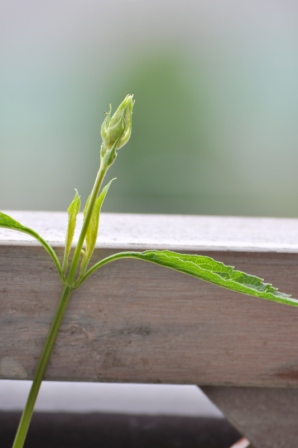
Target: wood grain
[137, 322]
[267, 416]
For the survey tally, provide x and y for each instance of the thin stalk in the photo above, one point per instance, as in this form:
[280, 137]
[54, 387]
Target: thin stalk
[107, 260]
[47, 247]
[43, 363]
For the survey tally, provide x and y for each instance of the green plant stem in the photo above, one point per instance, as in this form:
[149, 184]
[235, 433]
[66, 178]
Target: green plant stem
[47, 247]
[107, 260]
[66, 293]
[43, 363]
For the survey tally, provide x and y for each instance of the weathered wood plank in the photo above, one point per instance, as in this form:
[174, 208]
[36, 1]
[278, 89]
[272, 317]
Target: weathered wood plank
[267, 416]
[133, 321]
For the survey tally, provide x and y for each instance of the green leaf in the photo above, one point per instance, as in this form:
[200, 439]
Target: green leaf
[205, 268]
[218, 273]
[72, 211]
[91, 235]
[9, 223]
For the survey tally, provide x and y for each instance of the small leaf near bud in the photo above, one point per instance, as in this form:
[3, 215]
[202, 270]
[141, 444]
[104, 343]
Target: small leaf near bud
[72, 211]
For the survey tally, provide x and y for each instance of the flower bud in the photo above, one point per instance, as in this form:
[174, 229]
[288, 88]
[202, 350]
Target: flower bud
[116, 130]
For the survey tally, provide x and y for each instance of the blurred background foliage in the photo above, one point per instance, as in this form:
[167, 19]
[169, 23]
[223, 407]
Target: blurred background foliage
[215, 123]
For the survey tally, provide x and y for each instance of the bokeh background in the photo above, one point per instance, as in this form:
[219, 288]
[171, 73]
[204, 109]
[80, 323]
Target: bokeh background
[215, 124]
[214, 130]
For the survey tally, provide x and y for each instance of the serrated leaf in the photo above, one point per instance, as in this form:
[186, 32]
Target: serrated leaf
[204, 268]
[8, 222]
[218, 273]
[91, 235]
[72, 211]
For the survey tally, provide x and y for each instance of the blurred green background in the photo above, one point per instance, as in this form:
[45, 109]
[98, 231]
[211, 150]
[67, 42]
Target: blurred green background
[215, 123]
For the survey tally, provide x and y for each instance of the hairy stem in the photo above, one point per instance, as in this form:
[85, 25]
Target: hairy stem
[28, 411]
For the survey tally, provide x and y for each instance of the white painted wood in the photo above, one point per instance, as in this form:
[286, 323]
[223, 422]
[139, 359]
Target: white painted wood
[176, 232]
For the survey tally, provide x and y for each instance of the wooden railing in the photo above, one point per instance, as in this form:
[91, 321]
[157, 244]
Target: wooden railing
[136, 322]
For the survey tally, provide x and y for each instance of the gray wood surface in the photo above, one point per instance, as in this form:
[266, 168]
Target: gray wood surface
[136, 322]
[267, 416]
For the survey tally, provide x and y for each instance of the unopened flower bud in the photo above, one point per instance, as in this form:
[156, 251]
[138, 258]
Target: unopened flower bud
[116, 130]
